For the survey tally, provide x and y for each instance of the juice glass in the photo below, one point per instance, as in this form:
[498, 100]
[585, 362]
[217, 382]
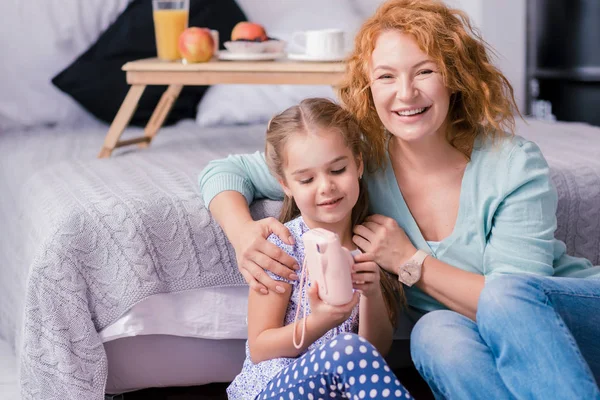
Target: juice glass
[170, 19]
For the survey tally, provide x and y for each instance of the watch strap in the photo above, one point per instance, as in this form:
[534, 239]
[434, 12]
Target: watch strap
[419, 257]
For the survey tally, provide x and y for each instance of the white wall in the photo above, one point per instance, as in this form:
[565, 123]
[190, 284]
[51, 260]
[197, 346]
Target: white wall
[502, 25]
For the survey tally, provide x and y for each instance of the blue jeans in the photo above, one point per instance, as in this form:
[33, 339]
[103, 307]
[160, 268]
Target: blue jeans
[348, 366]
[535, 338]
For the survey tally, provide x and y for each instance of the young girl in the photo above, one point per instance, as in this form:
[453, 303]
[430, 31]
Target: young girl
[315, 151]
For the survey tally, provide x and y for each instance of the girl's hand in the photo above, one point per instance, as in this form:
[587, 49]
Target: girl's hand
[365, 276]
[326, 314]
[388, 243]
[255, 254]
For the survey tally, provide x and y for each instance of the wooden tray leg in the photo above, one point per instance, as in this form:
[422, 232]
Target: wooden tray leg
[121, 120]
[160, 113]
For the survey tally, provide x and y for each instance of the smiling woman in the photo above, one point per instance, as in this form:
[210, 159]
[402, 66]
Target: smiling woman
[429, 34]
[409, 92]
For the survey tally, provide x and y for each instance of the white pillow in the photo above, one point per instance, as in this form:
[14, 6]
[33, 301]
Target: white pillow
[244, 104]
[38, 40]
[250, 104]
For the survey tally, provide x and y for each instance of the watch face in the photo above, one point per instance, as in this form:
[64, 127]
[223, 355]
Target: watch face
[409, 273]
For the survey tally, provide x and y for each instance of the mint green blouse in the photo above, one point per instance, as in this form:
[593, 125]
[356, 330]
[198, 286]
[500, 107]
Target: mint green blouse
[506, 218]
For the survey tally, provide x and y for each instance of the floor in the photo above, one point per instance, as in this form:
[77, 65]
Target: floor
[409, 377]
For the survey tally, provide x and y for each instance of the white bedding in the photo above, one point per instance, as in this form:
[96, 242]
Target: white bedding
[169, 361]
[186, 314]
[38, 40]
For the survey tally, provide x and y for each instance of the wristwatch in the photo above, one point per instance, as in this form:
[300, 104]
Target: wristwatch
[409, 273]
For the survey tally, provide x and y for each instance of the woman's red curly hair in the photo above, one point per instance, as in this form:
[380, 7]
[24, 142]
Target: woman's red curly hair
[482, 102]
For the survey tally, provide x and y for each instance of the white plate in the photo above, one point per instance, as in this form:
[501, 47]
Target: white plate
[227, 55]
[306, 57]
[268, 46]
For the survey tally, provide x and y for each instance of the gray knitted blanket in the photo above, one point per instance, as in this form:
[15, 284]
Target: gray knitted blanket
[86, 239]
[573, 153]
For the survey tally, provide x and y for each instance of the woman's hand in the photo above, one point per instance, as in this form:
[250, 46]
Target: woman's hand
[388, 243]
[255, 254]
[325, 314]
[365, 276]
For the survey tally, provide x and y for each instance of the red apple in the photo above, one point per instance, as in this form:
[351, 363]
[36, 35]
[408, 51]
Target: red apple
[196, 45]
[249, 31]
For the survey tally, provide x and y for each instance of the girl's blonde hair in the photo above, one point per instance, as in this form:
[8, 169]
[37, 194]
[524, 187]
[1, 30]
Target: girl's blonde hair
[482, 101]
[319, 116]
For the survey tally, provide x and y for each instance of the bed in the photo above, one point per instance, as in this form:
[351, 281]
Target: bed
[86, 241]
[113, 275]
[146, 202]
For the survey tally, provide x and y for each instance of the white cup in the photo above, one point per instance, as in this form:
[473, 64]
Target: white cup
[321, 43]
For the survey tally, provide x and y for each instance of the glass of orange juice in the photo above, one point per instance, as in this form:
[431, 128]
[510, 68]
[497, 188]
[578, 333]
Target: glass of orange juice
[170, 19]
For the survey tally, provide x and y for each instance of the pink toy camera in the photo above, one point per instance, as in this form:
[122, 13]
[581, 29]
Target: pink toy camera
[330, 265]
